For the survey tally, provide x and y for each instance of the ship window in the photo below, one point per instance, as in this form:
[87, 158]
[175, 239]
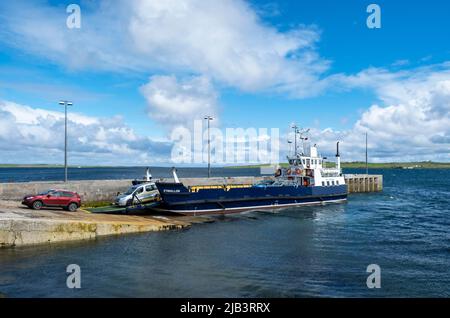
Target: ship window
[337, 182]
[328, 183]
[304, 161]
[323, 183]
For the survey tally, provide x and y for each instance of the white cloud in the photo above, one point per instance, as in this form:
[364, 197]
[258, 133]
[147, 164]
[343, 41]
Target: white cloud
[411, 123]
[224, 40]
[176, 103]
[227, 41]
[30, 135]
[33, 116]
[205, 44]
[220, 43]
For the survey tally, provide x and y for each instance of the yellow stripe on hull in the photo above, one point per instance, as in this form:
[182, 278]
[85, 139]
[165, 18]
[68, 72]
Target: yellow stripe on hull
[225, 187]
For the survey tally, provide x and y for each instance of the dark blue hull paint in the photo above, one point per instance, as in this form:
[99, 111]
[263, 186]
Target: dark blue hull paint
[177, 198]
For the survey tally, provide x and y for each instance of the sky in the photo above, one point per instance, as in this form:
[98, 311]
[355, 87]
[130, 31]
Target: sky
[138, 71]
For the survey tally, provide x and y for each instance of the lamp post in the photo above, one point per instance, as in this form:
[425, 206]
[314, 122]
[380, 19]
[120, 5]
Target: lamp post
[65, 103]
[209, 118]
[367, 162]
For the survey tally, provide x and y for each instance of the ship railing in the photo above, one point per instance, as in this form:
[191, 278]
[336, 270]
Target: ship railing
[225, 187]
[330, 172]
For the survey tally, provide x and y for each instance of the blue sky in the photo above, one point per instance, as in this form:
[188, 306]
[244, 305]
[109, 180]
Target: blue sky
[329, 69]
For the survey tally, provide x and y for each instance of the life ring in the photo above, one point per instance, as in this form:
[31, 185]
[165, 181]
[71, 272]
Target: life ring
[298, 171]
[288, 171]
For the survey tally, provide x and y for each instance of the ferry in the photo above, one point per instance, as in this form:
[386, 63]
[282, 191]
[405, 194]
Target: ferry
[305, 181]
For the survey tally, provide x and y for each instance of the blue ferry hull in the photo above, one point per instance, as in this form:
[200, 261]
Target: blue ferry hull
[178, 199]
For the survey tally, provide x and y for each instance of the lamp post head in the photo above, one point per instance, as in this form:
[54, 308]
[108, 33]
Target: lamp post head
[208, 118]
[65, 102]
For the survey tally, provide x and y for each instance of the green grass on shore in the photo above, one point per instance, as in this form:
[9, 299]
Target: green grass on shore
[384, 165]
[355, 164]
[96, 204]
[38, 165]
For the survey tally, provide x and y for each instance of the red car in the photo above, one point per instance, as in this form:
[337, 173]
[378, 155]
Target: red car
[70, 201]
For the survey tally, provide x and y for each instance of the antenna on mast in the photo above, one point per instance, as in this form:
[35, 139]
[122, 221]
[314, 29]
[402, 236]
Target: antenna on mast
[290, 147]
[295, 127]
[303, 132]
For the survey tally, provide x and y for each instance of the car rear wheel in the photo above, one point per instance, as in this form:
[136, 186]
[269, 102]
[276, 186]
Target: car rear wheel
[72, 207]
[37, 205]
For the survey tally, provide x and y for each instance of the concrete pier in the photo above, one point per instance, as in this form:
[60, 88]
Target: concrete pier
[22, 226]
[357, 183]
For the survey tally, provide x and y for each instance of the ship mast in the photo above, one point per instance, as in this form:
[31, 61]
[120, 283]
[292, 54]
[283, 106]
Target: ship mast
[295, 127]
[301, 132]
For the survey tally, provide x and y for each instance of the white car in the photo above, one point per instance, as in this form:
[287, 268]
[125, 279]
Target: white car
[139, 193]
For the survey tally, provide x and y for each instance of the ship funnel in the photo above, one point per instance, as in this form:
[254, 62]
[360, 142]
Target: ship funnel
[175, 176]
[338, 158]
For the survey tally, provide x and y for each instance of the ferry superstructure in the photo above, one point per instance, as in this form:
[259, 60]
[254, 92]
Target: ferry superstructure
[304, 182]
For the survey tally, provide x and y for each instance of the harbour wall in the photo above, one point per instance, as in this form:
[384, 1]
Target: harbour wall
[89, 190]
[106, 190]
[98, 190]
[358, 183]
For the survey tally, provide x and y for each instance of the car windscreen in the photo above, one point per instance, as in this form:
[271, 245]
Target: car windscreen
[130, 190]
[45, 192]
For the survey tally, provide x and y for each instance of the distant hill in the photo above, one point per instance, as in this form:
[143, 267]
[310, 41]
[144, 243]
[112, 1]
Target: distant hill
[355, 164]
[38, 165]
[384, 165]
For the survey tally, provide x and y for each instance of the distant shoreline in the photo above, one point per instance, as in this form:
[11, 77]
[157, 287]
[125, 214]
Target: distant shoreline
[384, 165]
[51, 166]
[351, 165]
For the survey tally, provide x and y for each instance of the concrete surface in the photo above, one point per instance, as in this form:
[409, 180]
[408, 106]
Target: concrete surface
[23, 226]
